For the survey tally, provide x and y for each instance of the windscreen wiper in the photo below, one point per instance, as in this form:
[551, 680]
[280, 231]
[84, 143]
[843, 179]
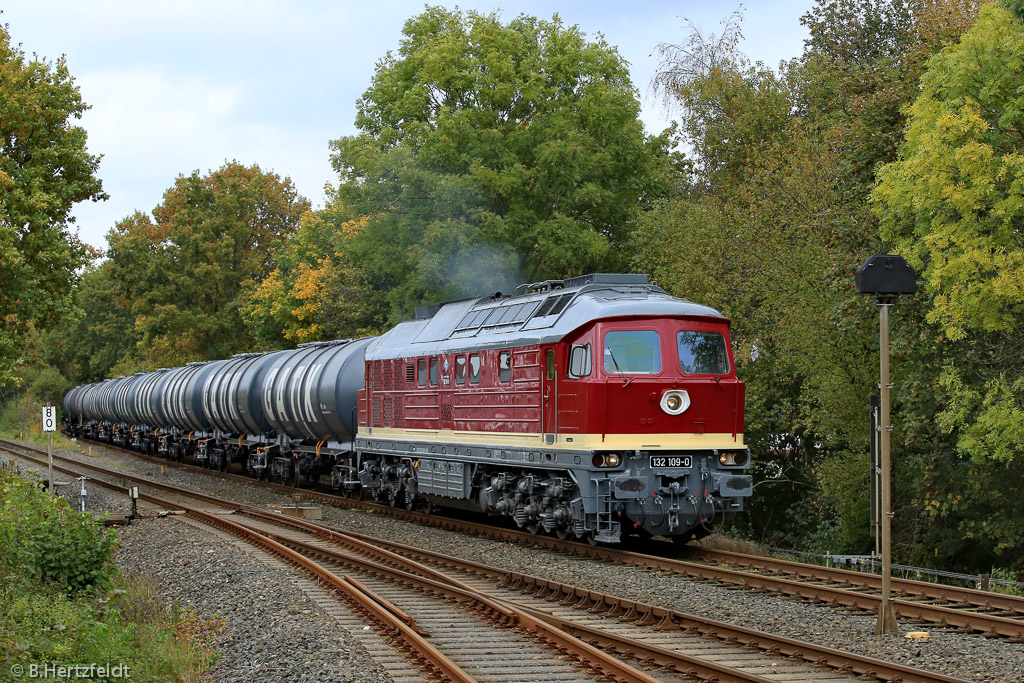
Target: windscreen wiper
[625, 380]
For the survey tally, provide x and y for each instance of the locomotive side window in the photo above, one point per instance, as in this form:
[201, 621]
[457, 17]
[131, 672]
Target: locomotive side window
[474, 369]
[632, 352]
[433, 372]
[421, 372]
[702, 353]
[550, 364]
[505, 366]
[460, 369]
[579, 361]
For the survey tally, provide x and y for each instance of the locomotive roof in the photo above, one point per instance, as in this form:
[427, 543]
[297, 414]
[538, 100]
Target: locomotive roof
[545, 314]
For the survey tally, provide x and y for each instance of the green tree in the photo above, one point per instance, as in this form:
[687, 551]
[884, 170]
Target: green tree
[772, 224]
[101, 340]
[185, 273]
[45, 170]
[490, 154]
[953, 204]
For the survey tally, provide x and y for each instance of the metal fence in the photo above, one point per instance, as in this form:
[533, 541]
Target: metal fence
[873, 564]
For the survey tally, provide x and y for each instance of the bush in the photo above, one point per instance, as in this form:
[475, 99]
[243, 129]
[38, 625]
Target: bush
[63, 602]
[44, 544]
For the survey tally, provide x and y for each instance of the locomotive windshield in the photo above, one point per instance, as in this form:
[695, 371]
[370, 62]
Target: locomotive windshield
[702, 353]
[632, 352]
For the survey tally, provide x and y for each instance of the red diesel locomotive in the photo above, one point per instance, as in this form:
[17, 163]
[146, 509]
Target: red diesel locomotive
[591, 407]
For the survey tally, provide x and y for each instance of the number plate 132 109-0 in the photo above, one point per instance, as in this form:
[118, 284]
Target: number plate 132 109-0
[671, 461]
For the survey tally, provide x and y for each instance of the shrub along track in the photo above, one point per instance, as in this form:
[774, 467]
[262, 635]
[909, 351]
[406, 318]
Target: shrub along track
[604, 621]
[991, 614]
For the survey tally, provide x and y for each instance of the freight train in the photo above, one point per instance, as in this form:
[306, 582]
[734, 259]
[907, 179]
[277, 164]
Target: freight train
[593, 408]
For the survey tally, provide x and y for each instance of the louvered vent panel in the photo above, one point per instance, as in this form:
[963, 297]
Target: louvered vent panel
[376, 417]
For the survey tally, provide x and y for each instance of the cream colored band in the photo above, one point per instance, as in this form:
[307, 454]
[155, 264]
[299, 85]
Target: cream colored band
[589, 442]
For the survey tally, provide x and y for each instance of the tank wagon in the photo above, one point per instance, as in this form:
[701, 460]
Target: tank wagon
[592, 407]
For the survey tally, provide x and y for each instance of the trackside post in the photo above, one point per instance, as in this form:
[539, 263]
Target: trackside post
[887, 277]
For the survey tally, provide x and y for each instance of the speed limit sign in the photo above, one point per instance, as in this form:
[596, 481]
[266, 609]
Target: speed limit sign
[49, 418]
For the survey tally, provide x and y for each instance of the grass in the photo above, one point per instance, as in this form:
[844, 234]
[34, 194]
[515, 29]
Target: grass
[159, 642]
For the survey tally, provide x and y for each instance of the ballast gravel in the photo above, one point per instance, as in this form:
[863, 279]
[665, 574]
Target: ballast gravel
[271, 631]
[965, 656]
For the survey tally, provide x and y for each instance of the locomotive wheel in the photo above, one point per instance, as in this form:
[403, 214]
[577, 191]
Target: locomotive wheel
[563, 532]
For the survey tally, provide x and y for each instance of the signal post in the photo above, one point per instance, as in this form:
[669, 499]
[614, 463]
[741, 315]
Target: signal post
[887, 277]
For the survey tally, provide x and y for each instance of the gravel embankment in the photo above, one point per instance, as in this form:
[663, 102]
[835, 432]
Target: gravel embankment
[272, 630]
[969, 657]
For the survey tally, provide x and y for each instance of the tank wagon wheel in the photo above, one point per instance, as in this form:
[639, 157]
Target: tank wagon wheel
[535, 527]
[563, 532]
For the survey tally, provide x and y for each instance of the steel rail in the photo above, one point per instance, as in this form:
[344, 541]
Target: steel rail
[907, 587]
[606, 664]
[422, 577]
[393, 625]
[988, 624]
[628, 610]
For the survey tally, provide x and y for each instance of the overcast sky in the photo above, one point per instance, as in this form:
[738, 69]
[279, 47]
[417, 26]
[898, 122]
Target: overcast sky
[184, 85]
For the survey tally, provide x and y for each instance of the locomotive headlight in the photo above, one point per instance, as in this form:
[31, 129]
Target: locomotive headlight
[606, 460]
[733, 458]
[675, 402]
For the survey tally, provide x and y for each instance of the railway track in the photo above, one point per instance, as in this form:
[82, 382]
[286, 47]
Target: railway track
[984, 612]
[567, 616]
[505, 628]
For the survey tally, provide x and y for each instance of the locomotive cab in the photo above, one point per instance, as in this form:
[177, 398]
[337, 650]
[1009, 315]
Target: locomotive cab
[658, 403]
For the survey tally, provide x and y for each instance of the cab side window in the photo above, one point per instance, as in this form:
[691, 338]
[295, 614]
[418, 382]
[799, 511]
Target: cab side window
[433, 372]
[505, 366]
[579, 361]
[421, 372]
[460, 369]
[474, 369]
